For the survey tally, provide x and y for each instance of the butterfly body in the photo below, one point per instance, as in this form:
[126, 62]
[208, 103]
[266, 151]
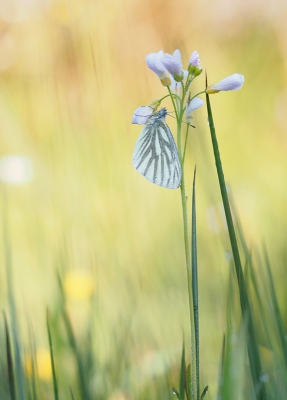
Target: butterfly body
[155, 155]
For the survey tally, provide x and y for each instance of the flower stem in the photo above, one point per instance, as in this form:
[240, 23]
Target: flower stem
[194, 384]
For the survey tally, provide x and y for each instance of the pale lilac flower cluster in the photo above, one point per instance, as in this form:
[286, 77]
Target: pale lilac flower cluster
[168, 68]
[164, 65]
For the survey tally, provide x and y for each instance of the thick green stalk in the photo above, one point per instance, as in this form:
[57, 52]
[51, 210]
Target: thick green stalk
[252, 347]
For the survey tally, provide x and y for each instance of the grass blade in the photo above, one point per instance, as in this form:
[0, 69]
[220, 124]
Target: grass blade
[81, 372]
[175, 392]
[72, 394]
[9, 357]
[188, 383]
[182, 373]
[55, 384]
[14, 322]
[205, 390]
[221, 369]
[278, 316]
[252, 347]
[33, 365]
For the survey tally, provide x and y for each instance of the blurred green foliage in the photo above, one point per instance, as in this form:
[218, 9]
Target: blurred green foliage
[72, 74]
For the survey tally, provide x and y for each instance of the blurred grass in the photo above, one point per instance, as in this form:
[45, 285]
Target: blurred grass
[71, 75]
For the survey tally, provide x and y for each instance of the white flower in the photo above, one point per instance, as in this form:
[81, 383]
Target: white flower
[232, 82]
[142, 114]
[16, 169]
[173, 64]
[154, 62]
[193, 105]
[194, 66]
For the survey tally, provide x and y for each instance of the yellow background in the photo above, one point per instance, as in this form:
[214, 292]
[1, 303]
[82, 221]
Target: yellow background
[71, 75]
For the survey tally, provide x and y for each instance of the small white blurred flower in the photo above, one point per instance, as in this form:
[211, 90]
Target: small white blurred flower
[193, 105]
[173, 64]
[232, 82]
[154, 62]
[16, 169]
[194, 66]
[142, 114]
[228, 256]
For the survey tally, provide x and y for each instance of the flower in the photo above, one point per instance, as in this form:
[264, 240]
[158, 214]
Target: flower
[154, 62]
[78, 285]
[232, 82]
[194, 66]
[193, 105]
[142, 114]
[16, 169]
[173, 64]
[43, 364]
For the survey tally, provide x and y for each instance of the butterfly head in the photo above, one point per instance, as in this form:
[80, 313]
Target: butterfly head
[161, 114]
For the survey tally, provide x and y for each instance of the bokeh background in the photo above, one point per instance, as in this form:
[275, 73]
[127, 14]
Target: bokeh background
[71, 75]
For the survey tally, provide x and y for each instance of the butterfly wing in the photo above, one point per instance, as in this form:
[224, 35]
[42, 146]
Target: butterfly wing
[155, 155]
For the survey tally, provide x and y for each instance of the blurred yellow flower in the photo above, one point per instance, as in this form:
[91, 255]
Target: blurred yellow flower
[79, 285]
[43, 364]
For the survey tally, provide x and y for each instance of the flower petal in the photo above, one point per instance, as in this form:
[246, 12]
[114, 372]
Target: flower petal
[173, 64]
[232, 82]
[193, 105]
[154, 63]
[195, 60]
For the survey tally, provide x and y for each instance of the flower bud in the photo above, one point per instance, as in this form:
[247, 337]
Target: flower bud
[232, 82]
[194, 66]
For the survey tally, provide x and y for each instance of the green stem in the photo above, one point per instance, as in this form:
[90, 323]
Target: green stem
[195, 286]
[187, 251]
[197, 94]
[185, 143]
[173, 103]
[253, 351]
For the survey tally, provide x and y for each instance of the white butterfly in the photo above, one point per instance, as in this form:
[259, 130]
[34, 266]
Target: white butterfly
[155, 155]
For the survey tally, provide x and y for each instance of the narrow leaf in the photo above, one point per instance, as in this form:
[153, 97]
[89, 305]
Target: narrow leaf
[205, 390]
[175, 392]
[9, 358]
[188, 383]
[72, 394]
[81, 372]
[278, 315]
[182, 373]
[55, 384]
[252, 346]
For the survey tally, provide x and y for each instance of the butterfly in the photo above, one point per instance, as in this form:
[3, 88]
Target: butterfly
[155, 155]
